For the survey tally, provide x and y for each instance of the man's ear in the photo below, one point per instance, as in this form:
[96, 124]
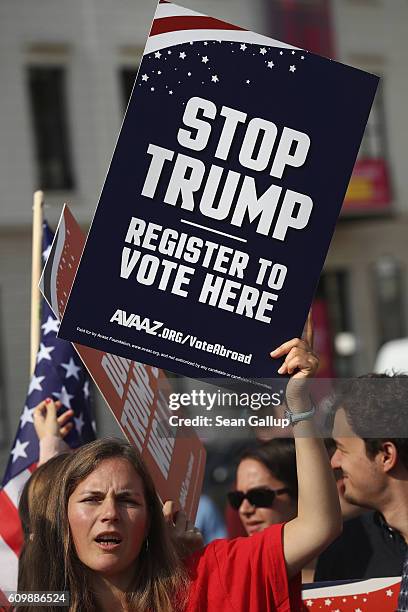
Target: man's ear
[388, 455]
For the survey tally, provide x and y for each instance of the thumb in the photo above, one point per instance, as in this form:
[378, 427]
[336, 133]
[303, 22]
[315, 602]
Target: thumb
[168, 511]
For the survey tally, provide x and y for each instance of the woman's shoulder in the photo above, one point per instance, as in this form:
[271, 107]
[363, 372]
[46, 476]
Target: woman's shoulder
[246, 573]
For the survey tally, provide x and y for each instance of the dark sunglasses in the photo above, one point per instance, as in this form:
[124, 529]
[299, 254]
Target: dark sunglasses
[261, 497]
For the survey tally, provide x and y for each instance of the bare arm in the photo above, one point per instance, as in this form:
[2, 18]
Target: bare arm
[318, 521]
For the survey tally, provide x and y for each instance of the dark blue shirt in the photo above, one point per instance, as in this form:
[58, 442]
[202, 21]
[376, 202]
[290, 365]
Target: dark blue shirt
[367, 548]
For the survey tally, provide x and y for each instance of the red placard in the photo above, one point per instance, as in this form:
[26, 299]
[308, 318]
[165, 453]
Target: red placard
[136, 393]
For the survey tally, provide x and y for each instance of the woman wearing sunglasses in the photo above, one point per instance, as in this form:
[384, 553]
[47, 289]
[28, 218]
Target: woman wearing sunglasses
[267, 488]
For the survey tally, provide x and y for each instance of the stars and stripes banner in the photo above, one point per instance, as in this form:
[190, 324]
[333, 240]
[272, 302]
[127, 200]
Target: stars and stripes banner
[58, 374]
[229, 173]
[374, 595]
[174, 25]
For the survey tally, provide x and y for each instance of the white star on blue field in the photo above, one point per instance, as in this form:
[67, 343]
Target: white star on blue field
[210, 64]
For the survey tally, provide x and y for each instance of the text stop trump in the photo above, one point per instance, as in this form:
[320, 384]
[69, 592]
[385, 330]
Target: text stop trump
[257, 153]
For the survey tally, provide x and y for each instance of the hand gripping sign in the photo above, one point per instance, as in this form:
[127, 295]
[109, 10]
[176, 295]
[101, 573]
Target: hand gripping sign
[220, 201]
[136, 393]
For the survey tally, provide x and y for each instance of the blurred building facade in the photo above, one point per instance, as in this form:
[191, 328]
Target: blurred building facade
[363, 294]
[66, 71]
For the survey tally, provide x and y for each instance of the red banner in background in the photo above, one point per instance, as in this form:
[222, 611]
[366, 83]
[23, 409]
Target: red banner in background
[323, 338]
[304, 24]
[369, 188]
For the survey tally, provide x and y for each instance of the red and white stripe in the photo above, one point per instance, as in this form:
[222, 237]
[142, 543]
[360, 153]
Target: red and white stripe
[11, 537]
[361, 596]
[352, 588]
[174, 25]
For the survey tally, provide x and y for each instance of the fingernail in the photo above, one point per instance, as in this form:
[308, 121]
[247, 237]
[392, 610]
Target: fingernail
[280, 370]
[48, 400]
[273, 352]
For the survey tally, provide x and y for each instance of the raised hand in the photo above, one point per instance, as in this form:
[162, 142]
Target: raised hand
[46, 421]
[186, 538]
[300, 362]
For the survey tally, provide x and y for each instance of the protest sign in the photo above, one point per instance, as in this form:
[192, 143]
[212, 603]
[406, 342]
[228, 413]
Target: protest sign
[358, 596]
[220, 201]
[136, 394]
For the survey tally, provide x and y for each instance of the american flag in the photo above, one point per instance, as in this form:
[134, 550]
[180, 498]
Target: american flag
[58, 374]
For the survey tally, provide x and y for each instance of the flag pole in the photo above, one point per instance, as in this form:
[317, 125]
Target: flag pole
[38, 203]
